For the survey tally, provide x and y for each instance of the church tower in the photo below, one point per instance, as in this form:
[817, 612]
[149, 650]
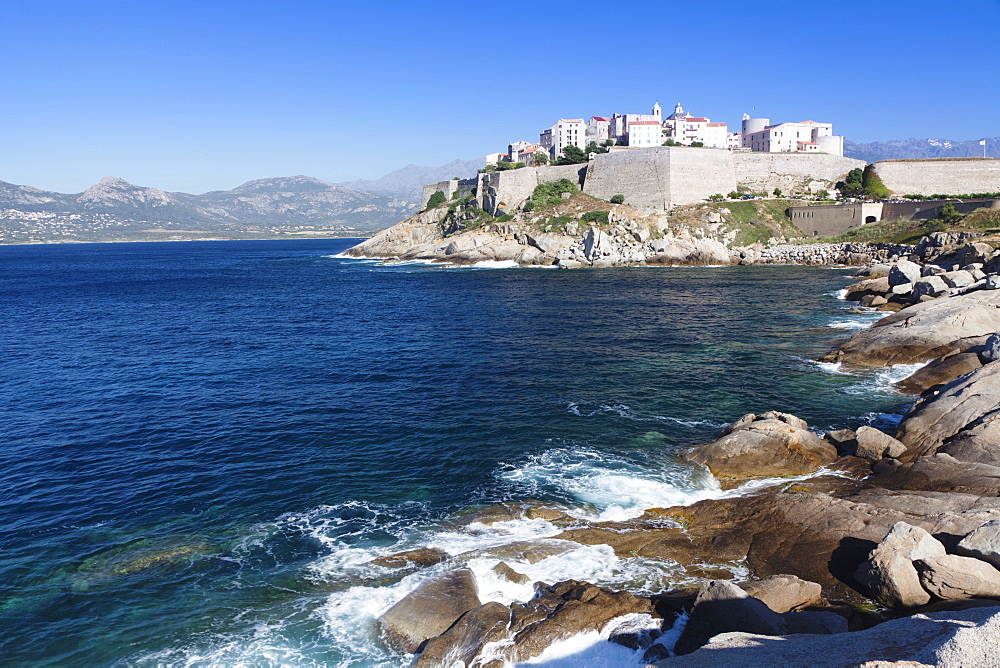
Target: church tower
[657, 112]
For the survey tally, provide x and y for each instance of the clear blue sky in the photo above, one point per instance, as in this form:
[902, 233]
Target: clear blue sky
[198, 96]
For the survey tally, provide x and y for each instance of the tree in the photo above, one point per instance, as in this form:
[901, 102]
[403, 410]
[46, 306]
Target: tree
[733, 195]
[436, 199]
[540, 157]
[572, 155]
[948, 214]
[823, 194]
[777, 192]
[698, 144]
[872, 184]
[592, 147]
[618, 199]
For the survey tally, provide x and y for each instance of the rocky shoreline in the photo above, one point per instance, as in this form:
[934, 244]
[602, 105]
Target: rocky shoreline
[629, 238]
[886, 546]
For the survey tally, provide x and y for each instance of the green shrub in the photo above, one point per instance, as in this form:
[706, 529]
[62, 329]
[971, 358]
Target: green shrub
[618, 199]
[698, 144]
[600, 217]
[777, 192]
[572, 155]
[550, 192]
[436, 199]
[717, 197]
[504, 218]
[733, 195]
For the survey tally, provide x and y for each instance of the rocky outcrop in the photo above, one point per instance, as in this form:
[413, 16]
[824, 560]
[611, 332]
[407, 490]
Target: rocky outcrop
[924, 331]
[774, 444]
[429, 610]
[463, 642]
[966, 638]
[970, 402]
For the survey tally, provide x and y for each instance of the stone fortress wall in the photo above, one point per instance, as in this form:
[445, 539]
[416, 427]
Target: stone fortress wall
[502, 192]
[463, 187]
[663, 177]
[945, 176]
[763, 172]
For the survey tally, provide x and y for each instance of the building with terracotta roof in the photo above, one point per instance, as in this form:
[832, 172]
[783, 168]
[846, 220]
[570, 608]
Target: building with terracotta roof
[686, 129]
[804, 137]
[598, 129]
[619, 127]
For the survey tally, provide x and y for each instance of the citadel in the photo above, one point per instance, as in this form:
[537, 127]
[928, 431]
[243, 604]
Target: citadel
[630, 131]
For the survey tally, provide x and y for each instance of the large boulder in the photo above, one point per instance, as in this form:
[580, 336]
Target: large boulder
[429, 610]
[889, 574]
[567, 609]
[763, 447]
[874, 444]
[963, 403]
[983, 543]
[783, 593]
[951, 576]
[966, 638]
[871, 286]
[931, 286]
[904, 271]
[460, 644]
[722, 607]
[924, 331]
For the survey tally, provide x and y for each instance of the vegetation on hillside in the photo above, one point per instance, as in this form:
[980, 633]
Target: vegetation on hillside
[437, 199]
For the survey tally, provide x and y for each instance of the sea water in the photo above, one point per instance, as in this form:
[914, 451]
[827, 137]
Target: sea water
[205, 444]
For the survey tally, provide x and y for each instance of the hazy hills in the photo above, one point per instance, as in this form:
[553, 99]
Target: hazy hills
[409, 181]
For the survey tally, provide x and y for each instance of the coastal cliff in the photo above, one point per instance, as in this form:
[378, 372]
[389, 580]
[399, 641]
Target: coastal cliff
[581, 231]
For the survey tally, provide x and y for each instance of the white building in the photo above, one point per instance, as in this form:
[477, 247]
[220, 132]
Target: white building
[807, 137]
[565, 132]
[644, 133]
[598, 129]
[619, 126]
[686, 129]
[523, 151]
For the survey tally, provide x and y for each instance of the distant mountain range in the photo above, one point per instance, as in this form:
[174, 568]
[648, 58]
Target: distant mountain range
[116, 209]
[409, 181]
[921, 148]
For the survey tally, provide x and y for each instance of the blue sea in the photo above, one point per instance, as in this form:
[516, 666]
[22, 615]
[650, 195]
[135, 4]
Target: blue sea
[205, 444]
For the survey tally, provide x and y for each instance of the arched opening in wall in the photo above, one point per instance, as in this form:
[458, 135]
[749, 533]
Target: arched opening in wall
[870, 219]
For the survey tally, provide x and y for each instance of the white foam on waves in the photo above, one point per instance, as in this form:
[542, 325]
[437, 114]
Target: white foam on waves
[613, 488]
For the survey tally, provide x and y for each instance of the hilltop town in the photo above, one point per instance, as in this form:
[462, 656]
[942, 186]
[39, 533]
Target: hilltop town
[624, 131]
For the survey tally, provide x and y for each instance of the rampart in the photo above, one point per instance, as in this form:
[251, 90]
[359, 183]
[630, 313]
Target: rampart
[661, 178]
[790, 172]
[463, 187]
[502, 192]
[664, 177]
[945, 176]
